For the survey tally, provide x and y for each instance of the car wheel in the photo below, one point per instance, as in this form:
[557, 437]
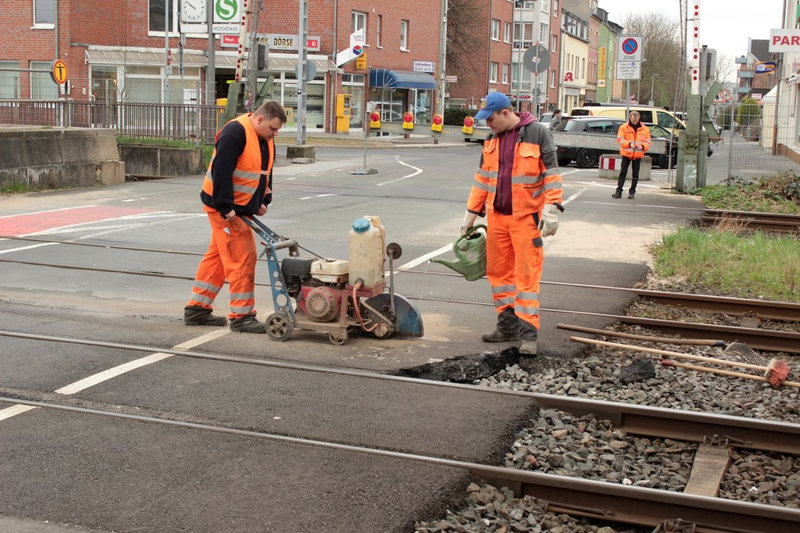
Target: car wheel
[663, 161]
[587, 158]
[564, 162]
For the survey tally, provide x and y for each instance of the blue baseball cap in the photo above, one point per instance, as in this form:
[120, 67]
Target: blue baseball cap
[492, 102]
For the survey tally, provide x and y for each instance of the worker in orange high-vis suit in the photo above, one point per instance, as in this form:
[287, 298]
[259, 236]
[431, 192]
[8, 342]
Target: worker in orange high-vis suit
[634, 140]
[518, 188]
[238, 182]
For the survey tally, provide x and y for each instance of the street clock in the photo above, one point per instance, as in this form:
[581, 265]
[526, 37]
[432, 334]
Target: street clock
[193, 11]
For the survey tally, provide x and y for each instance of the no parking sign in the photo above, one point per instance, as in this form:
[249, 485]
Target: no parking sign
[630, 48]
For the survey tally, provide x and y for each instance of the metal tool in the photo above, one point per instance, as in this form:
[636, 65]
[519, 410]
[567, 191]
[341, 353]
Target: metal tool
[326, 299]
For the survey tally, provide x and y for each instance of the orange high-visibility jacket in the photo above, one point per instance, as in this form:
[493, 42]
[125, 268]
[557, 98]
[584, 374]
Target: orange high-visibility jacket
[626, 136]
[247, 174]
[535, 177]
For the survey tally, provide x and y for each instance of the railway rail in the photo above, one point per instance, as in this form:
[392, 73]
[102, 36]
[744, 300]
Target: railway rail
[771, 222]
[577, 497]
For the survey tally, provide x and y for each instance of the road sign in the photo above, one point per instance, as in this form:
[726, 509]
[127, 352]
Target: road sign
[536, 59]
[629, 70]
[784, 41]
[59, 71]
[631, 48]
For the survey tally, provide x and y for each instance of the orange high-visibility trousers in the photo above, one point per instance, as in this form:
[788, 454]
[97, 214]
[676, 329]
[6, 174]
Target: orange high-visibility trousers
[514, 257]
[231, 255]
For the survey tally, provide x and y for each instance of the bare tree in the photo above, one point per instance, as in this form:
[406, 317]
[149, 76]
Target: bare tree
[725, 69]
[662, 73]
[466, 36]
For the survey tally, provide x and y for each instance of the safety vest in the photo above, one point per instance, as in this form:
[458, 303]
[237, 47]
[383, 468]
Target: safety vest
[247, 174]
[532, 184]
[626, 135]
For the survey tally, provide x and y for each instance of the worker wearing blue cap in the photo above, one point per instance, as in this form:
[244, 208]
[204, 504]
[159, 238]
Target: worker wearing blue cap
[518, 188]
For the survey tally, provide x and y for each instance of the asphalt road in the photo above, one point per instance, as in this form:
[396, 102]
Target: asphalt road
[109, 474]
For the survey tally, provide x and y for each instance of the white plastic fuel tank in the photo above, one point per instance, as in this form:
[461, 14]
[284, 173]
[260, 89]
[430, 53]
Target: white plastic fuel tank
[366, 251]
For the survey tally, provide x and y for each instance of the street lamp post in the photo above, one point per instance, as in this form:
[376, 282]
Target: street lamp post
[652, 87]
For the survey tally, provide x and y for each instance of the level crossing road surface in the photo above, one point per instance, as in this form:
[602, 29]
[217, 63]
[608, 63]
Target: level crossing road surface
[101, 473]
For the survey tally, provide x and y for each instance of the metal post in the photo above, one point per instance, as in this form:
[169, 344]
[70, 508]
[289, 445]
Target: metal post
[652, 89]
[730, 136]
[519, 51]
[302, 73]
[442, 59]
[210, 71]
[777, 102]
[166, 51]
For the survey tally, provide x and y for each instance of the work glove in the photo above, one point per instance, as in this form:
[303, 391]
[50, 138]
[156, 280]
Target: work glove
[469, 220]
[548, 223]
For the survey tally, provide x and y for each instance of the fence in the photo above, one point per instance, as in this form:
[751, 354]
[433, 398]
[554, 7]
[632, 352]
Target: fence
[186, 122]
[756, 147]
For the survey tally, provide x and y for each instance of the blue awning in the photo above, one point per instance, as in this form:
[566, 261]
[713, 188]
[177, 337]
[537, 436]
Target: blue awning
[400, 79]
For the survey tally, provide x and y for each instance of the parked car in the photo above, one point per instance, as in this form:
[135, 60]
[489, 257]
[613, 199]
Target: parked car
[662, 160]
[585, 157]
[547, 117]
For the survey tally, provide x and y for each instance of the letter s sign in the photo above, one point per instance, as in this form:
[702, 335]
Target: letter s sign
[226, 11]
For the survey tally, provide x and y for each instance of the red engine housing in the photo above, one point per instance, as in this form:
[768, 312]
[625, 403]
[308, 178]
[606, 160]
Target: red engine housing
[321, 304]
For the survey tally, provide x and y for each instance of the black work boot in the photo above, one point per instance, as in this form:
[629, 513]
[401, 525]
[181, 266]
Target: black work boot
[248, 324]
[527, 339]
[201, 316]
[617, 194]
[507, 328]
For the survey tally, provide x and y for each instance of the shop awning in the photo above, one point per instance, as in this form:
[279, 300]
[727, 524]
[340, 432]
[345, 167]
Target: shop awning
[400, 79]
[196, 58]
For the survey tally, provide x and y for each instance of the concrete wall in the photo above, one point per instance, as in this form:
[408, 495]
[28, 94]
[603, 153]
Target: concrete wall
[46, 158]
[159, 161]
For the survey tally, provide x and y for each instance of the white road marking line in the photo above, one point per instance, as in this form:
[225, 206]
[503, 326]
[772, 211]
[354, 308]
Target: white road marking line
[124, 368]
[15, 410]
[416, 171]
[49, 211]
[317, 196]
[414, 262]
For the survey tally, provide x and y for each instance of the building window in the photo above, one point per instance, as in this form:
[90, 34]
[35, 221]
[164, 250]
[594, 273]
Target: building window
[359, 22]
[495, 30]
[404, 35]
[507, 32]
[42, 85]
[554, 44]
[493, 68]
[44, 13]
[9, 80]
[545, 6]
[505, 73]
[523, 40]
[552, 79]
[156, 17]
[379, 31]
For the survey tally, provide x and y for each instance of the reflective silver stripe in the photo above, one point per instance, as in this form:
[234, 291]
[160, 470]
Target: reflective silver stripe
[504, 301]
[504, 288]
[519, 309]
[552, 185]
[246, 310]
[244, 188]
[245, 175]
[487, 173]
[204, 286]
[527, 296]
[202, 299]
[552, 171]
[516, 180]
[482, 186]
[242, 296]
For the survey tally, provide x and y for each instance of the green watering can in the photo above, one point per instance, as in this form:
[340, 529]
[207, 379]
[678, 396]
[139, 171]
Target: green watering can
[470, 250]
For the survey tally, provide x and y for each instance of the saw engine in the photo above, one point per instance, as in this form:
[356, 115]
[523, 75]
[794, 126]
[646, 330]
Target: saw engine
[336, 296]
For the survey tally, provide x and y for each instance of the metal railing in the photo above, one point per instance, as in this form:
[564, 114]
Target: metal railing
[185, 122]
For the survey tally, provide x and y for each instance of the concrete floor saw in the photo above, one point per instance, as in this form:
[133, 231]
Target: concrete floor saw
[343, 298]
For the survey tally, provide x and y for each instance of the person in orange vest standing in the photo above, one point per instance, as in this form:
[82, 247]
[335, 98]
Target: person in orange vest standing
[238, 182]
[634, 140]
[518, 188]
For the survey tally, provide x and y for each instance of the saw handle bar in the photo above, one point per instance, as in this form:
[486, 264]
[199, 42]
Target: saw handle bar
[273, 239]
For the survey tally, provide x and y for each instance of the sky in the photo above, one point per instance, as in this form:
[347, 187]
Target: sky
[725, 25]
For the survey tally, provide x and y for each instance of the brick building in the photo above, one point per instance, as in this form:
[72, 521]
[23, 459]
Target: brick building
[117, 52]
